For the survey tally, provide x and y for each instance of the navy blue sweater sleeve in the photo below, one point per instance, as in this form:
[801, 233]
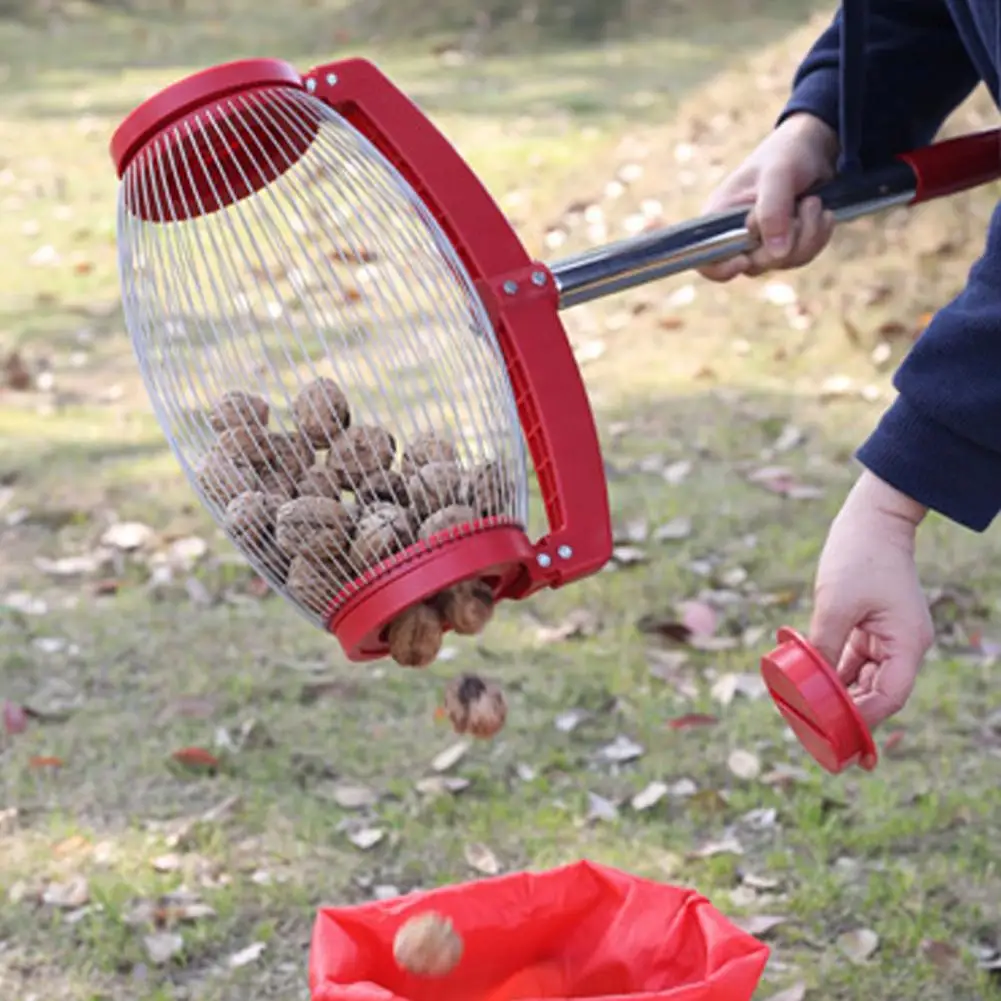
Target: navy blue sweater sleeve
[940, 442]
[917, 73]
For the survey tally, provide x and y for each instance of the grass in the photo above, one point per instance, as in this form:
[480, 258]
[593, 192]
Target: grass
[679, 373]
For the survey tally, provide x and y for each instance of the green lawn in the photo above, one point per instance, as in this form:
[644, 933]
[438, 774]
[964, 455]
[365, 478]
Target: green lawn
[697, 390]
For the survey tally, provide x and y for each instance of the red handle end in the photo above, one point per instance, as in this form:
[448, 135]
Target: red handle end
[955, 165]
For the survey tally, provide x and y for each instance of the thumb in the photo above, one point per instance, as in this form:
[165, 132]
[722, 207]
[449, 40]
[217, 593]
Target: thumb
[774, 211]
[830, 630]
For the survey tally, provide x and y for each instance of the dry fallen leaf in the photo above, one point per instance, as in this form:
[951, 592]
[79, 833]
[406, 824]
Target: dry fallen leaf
[760, 925]
[196, 759]
[675, 530]
[699, 617]
[450, 757]
[726, 846]
[350, 796]
[244, 957]
[621, 750]
[859, 944]
[68, 896]
[366, 838]
[691, 720]
[650, 796]
[579, 624]
[162, 946]
[744, 765]
[482, 859]
[15, 719]
[940, 954]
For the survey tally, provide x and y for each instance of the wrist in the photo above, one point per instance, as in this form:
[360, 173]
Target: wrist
[814, 130]
[877, 495]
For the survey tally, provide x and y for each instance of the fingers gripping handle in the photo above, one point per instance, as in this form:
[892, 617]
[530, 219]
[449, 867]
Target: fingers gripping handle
[935, 171]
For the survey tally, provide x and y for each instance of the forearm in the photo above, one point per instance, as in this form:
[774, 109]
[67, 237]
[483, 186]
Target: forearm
[940, 442]
[917, 73]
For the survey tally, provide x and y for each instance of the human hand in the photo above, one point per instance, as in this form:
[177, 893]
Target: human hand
[798, 154]
[870, 617]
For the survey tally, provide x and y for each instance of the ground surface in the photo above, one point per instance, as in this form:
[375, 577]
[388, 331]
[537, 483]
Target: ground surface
[701, 393]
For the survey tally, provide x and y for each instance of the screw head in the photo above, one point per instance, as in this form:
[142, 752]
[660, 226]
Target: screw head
[538, 278]
[331, 79]
[544, 560]
[310, 84]
[510, 287]
[564, 552]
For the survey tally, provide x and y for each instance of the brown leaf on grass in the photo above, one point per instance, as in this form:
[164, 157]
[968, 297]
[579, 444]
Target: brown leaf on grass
[858, 944]
[15, 719]
[482, 859]
[692, 720]
[67, 896]
[196, 759]
[41, 762]
[940, 954]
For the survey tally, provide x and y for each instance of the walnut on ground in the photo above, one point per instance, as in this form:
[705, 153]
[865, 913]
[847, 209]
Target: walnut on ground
[300, 519]
[319, 482]
[467, 607]
[222, 478]
[415, 636]
[321, 412]
[425, 449]
[382, 529]
[475, 706]
[239, 409]
[449, 517]
[360, 450]
[250, 519]
[428, 945]
[435, 486]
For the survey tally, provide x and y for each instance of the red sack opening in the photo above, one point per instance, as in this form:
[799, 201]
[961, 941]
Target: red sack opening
[579, 931]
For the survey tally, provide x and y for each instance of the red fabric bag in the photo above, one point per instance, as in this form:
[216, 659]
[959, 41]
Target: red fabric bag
[579, 931]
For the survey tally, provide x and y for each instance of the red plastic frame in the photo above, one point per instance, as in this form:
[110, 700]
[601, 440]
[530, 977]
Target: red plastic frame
[522, 301]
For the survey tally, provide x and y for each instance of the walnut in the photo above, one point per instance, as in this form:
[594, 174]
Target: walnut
[321, 412]
[415, 636]
[489, 490]
[425, 449]
[250, 519]
[237, 409]
[222, 478]
[312, 583]
[325, 549]
[298, 520]
[382, 485]
[360, 450]
[381, 531]
[435, 486]
[246, 445]
[449, 517]
[277, 484]
[428, 946]
[475, 706]
[319, 482]
[467, 607]
[289, 454]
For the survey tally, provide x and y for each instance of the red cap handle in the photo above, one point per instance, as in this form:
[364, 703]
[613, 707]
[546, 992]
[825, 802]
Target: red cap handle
[816, 705]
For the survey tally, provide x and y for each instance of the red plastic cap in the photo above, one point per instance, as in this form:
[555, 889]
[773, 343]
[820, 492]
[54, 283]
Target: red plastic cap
[210, 139]
[816, 705]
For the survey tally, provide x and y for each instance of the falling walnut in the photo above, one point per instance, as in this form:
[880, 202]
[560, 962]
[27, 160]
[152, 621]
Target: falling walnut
[475, 707]
[428, 946]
